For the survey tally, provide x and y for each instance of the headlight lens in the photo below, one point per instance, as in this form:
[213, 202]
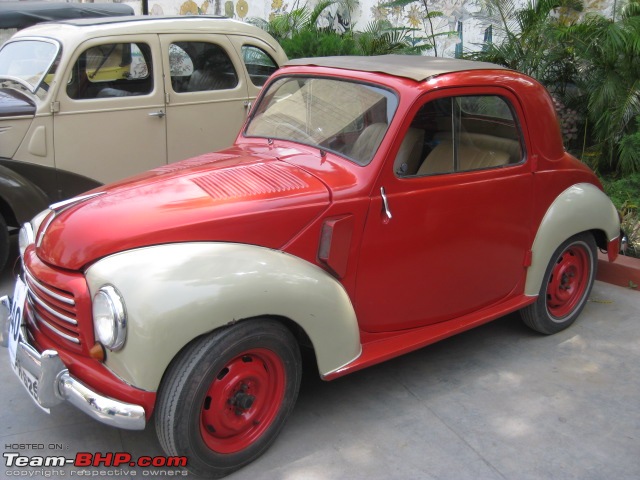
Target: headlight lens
[109, 318]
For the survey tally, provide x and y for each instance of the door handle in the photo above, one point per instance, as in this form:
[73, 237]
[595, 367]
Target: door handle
[385, 203]
[159, 114]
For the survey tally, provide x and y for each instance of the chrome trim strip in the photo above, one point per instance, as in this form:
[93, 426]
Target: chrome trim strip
[53, 312]
[43, 229]
[57, 296]
[55, 330]
[64, 204]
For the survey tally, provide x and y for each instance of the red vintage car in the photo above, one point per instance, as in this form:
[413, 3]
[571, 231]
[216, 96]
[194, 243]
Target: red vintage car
[369, 207]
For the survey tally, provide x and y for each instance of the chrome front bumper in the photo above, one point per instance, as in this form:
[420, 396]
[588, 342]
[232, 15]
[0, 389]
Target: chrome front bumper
[55, 383]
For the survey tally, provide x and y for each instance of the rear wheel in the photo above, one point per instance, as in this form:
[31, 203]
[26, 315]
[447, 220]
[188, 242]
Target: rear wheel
[224, 400]
[566, 286]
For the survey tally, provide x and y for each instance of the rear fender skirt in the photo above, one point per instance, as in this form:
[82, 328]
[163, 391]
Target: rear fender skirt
[174, 293]
[580, 208]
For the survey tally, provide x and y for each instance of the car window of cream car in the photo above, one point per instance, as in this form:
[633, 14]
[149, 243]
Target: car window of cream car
[30, 63]
[112, 70]
[259, 64]
[209, 65]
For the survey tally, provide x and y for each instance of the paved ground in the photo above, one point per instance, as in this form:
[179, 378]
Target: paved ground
[499, 402]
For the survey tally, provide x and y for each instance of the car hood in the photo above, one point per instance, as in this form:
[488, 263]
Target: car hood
[235, 195]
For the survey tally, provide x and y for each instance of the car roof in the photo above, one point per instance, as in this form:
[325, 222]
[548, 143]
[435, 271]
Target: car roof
[139, 19]
[25, 14]
[139, 24]
[415, 67]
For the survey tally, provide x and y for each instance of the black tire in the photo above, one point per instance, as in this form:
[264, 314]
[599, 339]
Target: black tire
[4, 243]
[565, 287]
[227, 395]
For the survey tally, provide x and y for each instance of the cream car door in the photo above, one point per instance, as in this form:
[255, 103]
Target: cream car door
[110, 120]
[207, 96]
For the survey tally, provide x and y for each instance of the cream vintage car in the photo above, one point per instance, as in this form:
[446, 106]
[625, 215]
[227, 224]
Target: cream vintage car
[87, 102]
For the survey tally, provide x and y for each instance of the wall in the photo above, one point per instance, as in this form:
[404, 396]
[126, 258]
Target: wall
[462, 25]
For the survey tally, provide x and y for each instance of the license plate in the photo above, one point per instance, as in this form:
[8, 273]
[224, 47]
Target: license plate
[15, 325]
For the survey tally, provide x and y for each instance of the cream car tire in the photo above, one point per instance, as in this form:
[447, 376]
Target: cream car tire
[227, 395]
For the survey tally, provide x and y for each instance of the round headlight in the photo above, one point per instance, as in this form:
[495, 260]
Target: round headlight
[109, 318]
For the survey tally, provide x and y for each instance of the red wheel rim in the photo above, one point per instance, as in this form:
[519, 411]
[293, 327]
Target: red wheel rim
[242, 401]
[568, 281]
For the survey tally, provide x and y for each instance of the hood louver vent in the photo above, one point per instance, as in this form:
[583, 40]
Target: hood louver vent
[250, 180]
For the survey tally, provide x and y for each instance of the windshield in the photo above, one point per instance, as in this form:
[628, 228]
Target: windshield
[27, 62]
[341, 116]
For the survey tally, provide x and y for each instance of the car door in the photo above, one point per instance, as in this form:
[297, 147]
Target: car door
[448, 229]
[207, 96]
[109, 119]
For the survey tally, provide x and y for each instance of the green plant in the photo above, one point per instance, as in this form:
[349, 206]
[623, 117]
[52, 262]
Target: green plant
[287, 24]
[625, 194]
[380, 38]
[318, 43]
[300, 36]
[530, 38]
[608, 54]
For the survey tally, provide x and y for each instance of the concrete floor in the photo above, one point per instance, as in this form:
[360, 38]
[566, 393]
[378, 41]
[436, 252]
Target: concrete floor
[498, 402]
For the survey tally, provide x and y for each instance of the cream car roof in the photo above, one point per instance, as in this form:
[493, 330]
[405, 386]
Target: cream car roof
[78, 30]
[414, 67]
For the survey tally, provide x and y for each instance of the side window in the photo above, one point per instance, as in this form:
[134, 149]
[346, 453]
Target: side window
[200, 67]
[112, 70]
[259, 64]
[459, 134]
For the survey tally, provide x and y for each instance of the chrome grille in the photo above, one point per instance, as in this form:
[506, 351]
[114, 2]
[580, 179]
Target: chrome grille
[52, 309]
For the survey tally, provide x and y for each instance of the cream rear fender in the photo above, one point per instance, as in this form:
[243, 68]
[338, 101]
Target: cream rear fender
[580, 208]
[174, 293]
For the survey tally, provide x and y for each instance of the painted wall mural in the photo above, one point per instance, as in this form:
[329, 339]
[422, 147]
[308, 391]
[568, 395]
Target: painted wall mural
[456, 25]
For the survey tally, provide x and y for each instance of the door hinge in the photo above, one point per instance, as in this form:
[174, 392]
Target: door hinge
[166, 98]
[55, 107]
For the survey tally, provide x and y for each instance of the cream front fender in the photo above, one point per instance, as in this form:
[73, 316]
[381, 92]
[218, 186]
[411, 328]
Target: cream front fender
[176, 292]
[580, 208]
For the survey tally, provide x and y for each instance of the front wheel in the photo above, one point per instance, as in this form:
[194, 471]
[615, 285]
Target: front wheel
[566, 286]
[227, 395]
